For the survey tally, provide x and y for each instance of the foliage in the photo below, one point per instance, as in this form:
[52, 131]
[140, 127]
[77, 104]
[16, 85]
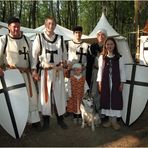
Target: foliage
[86, 13]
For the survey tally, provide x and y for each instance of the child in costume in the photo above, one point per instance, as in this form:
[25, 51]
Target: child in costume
[77, 87]
[111, 75]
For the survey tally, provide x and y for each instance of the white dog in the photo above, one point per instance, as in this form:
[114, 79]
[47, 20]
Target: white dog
[88, 114]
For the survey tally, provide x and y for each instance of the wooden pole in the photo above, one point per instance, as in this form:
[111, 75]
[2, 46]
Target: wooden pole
[136, 6]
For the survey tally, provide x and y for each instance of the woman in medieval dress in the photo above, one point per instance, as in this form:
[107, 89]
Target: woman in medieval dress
[111, 76]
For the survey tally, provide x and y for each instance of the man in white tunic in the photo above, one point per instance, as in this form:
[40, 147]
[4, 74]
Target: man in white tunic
[50, 50]
[77, 49]
[15, 52]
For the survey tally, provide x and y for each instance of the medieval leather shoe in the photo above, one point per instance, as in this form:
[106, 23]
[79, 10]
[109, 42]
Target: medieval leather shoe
[107, 124]
[62, 124]
[37, 126]
[67, 114]
[116, 126]
[75, 120]
[46, 122]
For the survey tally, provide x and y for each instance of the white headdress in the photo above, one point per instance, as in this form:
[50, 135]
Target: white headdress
[102, 30]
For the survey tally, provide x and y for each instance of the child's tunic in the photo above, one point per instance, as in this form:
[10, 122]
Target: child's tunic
[77, 89]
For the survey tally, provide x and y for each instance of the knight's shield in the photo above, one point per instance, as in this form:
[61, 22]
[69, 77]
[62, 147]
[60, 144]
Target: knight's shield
[14, 103]
[135, 92]
[144, 50]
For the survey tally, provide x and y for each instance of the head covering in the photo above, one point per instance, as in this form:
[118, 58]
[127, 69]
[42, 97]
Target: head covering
[77, 28]
[77, 65]
[103, 31]
[13, 20]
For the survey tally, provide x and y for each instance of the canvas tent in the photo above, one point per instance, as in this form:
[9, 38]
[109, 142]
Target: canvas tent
[31, 33]
[121, 41]
[2, 24]
[103, 23]
[66, 33]
[4, 30]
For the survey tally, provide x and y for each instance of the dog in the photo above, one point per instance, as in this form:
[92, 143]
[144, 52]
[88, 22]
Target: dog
[88, 114]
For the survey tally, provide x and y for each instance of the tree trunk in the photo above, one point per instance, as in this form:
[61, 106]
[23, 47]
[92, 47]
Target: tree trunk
[29, 13]
[58, 13]
[20, 11]
[34, 14]
[114, 15]
[4, 11]
[51, 12]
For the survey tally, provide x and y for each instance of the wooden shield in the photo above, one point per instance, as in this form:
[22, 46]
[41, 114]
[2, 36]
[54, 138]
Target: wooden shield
[135, 92]
[14, 103]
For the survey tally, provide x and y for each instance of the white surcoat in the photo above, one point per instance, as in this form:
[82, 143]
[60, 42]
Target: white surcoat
[74, 52]
[55, 80]
[18, 54]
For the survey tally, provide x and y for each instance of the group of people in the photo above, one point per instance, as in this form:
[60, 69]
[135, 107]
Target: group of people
[97, 69]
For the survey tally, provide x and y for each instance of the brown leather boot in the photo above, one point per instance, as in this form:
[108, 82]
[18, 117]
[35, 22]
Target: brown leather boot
[115, 124]
[108, 123]
[46, 122]
[61, 123]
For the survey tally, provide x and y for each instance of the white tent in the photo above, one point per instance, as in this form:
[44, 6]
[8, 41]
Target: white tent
[103, 23]
[66, 33]
[4, 29]
[121, 41]
[31, 33]
[2, 24]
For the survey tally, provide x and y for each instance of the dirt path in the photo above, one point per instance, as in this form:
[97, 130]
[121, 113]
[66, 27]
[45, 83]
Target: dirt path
[74, 136]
